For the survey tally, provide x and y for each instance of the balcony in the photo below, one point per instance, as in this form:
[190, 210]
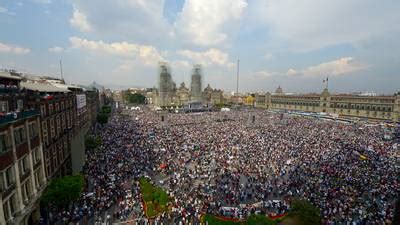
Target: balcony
[13, 117]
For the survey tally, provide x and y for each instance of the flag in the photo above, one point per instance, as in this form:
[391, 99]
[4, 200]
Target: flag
[48, 97]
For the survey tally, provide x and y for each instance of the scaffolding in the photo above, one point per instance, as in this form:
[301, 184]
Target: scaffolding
[196, 84]
[166, 85]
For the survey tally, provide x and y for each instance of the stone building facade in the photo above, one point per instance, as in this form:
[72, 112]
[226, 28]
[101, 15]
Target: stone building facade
[22, 169]
[57, 115]
[382, 108]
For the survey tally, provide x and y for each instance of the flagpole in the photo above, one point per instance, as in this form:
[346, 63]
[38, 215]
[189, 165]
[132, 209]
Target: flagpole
[327, 82]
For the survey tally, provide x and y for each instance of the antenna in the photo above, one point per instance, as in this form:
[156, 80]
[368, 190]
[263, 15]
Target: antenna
[237, 77]
[61, 71]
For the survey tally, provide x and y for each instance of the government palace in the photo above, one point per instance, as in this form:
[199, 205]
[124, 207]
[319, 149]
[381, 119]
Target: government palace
[380, 108]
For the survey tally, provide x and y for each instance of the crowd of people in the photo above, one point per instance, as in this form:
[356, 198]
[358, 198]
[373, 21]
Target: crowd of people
[237, 163]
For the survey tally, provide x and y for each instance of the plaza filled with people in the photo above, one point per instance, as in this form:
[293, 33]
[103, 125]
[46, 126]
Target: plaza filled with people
[236, 163]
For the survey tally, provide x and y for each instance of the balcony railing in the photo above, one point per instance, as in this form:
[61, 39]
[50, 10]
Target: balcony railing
[12, 117]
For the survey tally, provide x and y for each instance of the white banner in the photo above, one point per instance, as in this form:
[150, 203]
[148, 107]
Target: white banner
[80, 101]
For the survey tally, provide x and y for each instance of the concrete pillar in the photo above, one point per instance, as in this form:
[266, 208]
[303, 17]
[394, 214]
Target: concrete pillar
[42, 169]
[33, 186]
[2, 219]
[19, 201]
[32, 175]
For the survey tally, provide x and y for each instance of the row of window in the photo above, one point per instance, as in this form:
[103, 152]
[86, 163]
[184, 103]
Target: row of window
[19, 136]
[369, 100]
[363, 107]
[57, 125]
[344, 106]
[297, 103]
[57, 107]
[375, 114]
[55, 156]
[7, 179]
[9, 207]
[4, 107]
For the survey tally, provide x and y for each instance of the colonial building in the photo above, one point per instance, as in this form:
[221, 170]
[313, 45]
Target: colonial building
[183, 94]
[86, 103]
[57, 112]
[167, 95]
[212, 96]
[385, 107]
[22, 173]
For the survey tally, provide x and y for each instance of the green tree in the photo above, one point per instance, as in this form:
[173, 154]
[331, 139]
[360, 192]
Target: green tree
[62, 191]
[102, 118]
[305, 213]
[135, 98]
[92, 142]
[106, 109]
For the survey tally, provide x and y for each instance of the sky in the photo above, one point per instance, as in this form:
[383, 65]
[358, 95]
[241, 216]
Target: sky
[294, 44]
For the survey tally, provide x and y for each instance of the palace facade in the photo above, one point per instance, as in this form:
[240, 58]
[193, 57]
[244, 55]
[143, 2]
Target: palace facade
[382, 108]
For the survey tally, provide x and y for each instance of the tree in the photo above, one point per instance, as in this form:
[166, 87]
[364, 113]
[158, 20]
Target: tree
[102, 118]
[106, 109]
[305, 213]
[92, 142]
[135, 98]
[62, 191]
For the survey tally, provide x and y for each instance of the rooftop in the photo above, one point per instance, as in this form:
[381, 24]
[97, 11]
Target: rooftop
[8, 75]
[42, 87]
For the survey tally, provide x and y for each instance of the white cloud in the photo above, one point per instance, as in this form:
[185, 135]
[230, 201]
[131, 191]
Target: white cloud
[13, 49]
[126, 66]
[56, 49]
[210, 57]
[145, 53]
[208, 22]
[42, 1]
[313, 24]
[268, 56]
[292, 72]
[180, 64]
[79, 20]
[6, 11]
[263, 74]
[138, 20]
[345, 65]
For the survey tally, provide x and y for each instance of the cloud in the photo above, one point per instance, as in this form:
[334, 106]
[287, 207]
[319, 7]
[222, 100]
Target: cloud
[208, 22]
[210, 57]
[138, 20]
[6, 11]
[126, 66]
[313, 24]
[13, 49]
[180, 64]
[292, 72]
[268, 56]
[56, 49]
[145, 53]
[263, 74]
[80, 21]
[42, 1]
[345, 65]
